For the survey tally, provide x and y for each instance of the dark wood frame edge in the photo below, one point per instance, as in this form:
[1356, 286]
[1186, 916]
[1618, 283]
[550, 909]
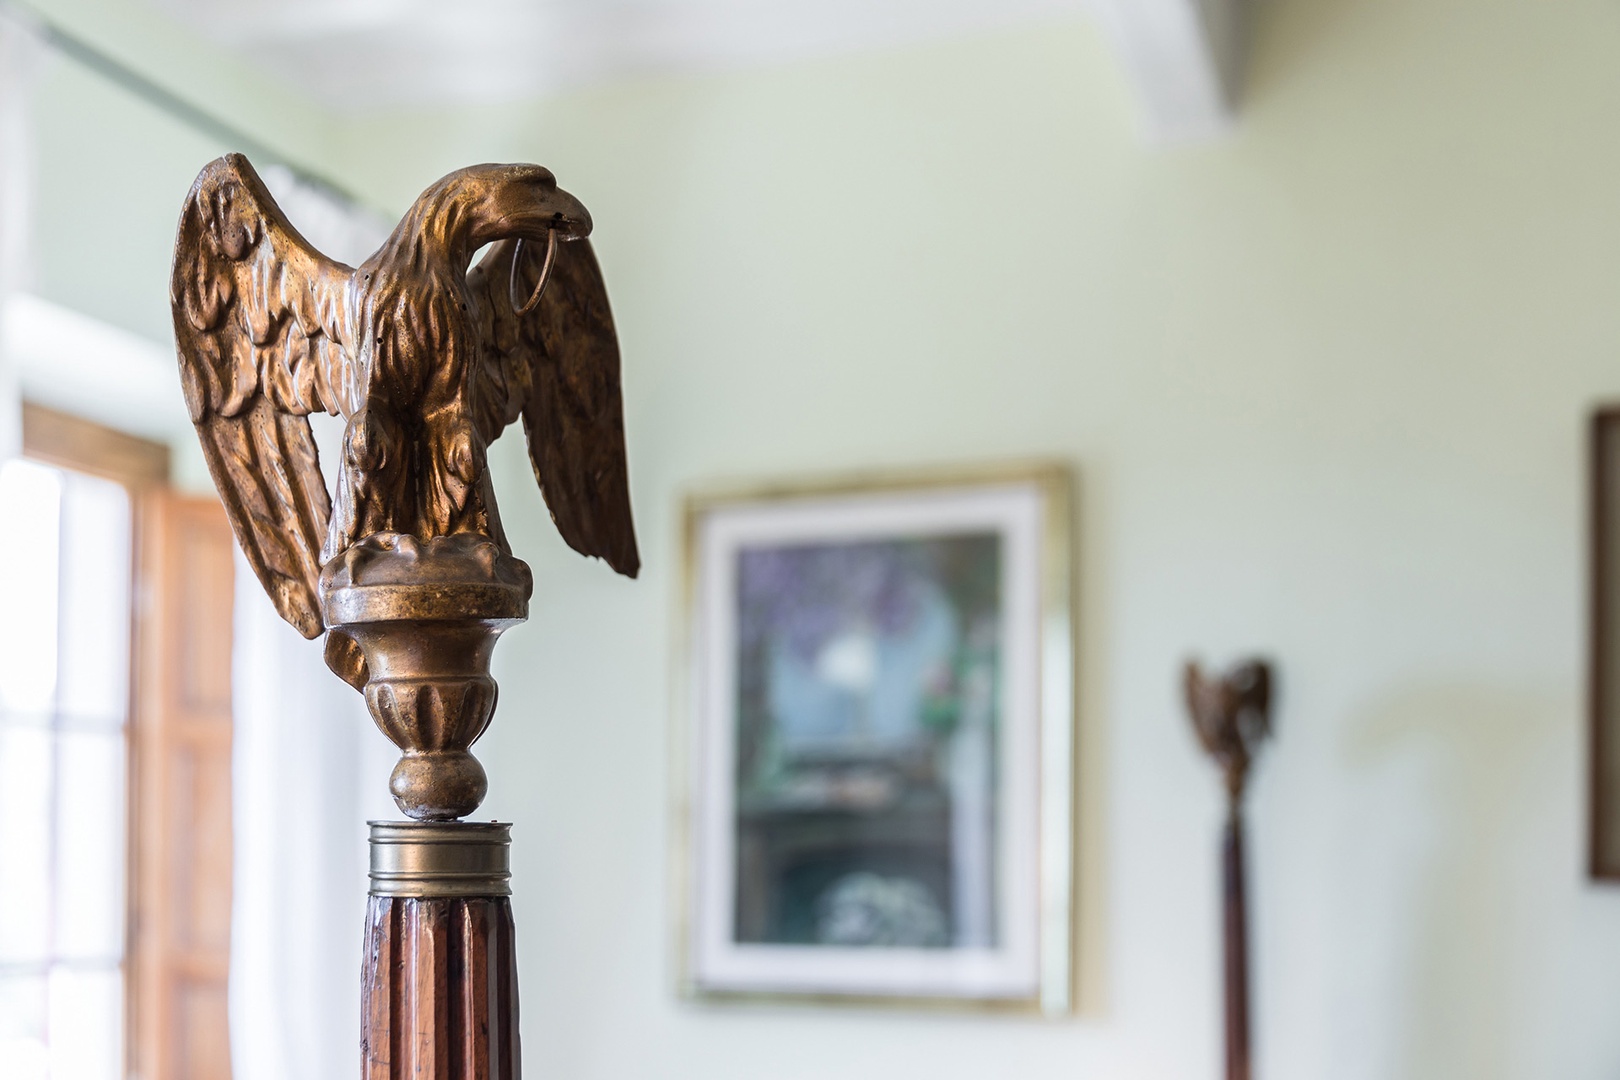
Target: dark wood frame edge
[1598, 694]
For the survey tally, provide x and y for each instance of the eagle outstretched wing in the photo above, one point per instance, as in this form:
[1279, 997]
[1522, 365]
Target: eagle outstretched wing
[259, 322]
[558, 367]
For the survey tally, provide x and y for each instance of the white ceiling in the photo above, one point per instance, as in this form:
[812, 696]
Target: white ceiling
[358, 54]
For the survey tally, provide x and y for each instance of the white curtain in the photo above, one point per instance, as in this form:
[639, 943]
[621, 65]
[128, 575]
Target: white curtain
[309, 769]
[19, 60]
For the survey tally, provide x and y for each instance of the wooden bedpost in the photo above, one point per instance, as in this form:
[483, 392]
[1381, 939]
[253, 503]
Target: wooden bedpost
[1232, 717]
[440, 979]
[408, 572]
[439, 975]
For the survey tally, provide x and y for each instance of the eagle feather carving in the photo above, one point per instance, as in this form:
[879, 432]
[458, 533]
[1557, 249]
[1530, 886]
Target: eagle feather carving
[426, 361]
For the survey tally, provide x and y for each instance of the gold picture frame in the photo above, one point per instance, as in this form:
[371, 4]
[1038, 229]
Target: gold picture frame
[1018, 958]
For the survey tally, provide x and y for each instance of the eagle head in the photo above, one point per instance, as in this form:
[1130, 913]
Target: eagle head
[522, 201]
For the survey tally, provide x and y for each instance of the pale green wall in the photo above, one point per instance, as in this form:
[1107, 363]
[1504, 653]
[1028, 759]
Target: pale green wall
[110, 172]
[113, 170]
[1323, 384]
[109, 167]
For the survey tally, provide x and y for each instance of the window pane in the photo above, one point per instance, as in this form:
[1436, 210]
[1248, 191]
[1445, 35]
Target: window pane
[64, 677]
[86, 1024]
[22, 1028]
[30, 496]
[94, 639]
[25, 793]
[90, 846]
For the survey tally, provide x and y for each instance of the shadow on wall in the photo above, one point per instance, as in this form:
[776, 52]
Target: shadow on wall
[1490, 769]
[1286, 37]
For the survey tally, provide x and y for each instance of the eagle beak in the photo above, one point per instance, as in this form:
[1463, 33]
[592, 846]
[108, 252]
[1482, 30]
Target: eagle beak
[531, 209]
[573, 221]
[561, 213]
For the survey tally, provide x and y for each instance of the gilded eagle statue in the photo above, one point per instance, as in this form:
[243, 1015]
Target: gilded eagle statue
[426, 360]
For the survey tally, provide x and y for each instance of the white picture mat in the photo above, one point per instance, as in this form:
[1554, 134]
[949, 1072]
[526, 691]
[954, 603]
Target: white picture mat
[1011, 970]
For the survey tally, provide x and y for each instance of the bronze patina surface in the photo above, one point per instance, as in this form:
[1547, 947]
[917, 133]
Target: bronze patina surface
[425, 616]
[409, 574]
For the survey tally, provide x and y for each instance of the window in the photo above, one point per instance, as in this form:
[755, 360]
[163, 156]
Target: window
[115, 752]
[65, 569]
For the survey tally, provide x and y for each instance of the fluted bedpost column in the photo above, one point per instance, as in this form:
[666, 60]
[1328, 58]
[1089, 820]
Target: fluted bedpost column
[440, 978]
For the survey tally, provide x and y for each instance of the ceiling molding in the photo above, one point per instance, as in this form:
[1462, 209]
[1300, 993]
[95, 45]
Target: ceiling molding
[1185, 59]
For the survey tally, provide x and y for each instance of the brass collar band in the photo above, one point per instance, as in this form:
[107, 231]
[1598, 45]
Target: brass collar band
[427, 859]
[429, 601]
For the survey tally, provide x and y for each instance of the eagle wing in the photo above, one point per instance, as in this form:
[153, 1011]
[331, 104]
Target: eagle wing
[259, 326]
[558, 367]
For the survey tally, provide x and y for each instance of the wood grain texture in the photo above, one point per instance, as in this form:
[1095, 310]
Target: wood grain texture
[439, 990]
[59, 438]
[181, 793]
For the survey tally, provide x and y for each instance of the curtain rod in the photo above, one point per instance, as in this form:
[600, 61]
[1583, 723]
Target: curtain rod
[164, 100]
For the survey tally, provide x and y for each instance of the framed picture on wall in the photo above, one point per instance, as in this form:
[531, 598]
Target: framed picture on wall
[880, 741]
[1604, 641]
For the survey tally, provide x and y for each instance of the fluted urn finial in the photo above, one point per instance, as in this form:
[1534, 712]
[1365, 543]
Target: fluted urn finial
[425, 616]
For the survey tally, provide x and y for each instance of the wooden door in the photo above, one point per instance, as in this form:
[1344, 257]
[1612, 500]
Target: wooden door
[181, 847]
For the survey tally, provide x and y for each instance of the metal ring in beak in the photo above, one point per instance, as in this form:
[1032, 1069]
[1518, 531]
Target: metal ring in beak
[545, 273]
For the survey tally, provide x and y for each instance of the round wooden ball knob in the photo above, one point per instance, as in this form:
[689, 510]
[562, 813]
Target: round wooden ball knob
[438, 785]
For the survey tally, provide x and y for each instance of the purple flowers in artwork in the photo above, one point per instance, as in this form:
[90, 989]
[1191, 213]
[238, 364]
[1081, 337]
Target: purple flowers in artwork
[804, 595]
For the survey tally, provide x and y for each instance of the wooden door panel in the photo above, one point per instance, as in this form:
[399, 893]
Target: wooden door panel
[202, 635]
[182, 775]
[201, 1031]
[200, 840]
